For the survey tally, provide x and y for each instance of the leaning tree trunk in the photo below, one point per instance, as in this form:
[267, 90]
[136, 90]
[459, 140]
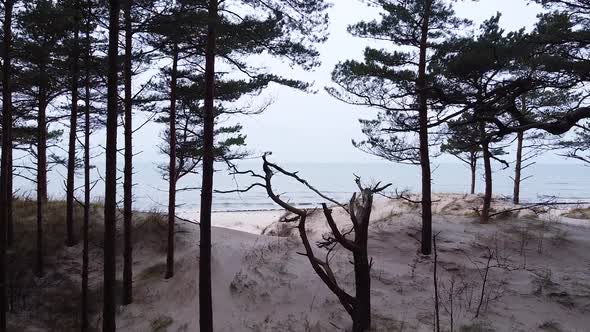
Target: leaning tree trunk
[6, 164]
[423, 133]
[85, 324]
[70, 183]
[172, 166]
[205, 298]
[518, 168]
[128, 171]
[41, 167]
[110, 200]
[487, 200]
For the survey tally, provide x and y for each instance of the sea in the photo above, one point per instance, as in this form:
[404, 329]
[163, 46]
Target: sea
[564, 182]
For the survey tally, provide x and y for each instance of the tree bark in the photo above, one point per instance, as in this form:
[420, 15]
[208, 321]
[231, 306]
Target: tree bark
[70, 183]
[518, 167]
[205, 299]
[41, 165]
[84, 324]
[110, 204]
[487, 200]
[473, 166]
[172, 166]
[423, 135]
[362, 267]
[6, 164]
[9, 190]
[128, 171]
[362, 272]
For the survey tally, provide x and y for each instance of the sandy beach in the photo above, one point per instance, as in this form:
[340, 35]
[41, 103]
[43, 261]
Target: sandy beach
[538, 276]
[536, 268]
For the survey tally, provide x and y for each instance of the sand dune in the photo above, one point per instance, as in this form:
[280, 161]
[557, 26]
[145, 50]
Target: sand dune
[538, 279]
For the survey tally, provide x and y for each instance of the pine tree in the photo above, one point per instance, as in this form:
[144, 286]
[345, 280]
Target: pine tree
[530, 144]
[128, 170]
[165, 34]
[479, 74]
[92, 80]
[135, 15]
[6, 164]
[462, 142]
[398, 83]
[566, 30]
[84, 321]
[110, 207]
[42, 29]
[168, 34]
[205, 294]
[280, 28]
[73, 8]
[488, 76]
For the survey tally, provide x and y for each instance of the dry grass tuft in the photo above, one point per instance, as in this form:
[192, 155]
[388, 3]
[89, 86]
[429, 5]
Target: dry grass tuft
[579, 214]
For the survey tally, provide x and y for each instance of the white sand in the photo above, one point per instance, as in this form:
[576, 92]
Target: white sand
[539, 279]
[261, 284]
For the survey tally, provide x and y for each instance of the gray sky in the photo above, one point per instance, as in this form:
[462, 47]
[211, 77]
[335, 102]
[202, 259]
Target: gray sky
[318, 128]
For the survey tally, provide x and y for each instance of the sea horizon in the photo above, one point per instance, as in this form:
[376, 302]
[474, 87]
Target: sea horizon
[563, 182]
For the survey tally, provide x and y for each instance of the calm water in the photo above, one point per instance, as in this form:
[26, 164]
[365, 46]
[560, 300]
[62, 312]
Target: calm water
[565, 181]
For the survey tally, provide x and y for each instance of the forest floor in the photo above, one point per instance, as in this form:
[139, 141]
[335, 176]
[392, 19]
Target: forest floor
[536, 268]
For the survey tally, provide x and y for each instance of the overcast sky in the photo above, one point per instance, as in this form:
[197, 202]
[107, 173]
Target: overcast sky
[317, 128]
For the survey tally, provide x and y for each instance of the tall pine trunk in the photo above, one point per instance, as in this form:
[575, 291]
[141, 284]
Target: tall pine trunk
[10, 198]
[70, 183]
[6, 164]
[518, 168]
[110, 197]
[205, 298]
[172, 165]
[487, 200]
[473, 167]
[128, 171]
[41, 166]
[423, 135]
[85, 324]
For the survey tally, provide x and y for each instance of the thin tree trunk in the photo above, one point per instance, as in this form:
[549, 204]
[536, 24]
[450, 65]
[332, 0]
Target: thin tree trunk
[41, 167]
[85, 259]
[487, 200]
[6, 167]
[518, 168]
[110, 204]
[473, 166]
[423, 133]
[10, 197]
[436, 297]
[70, 241]
[205, 299]
[128, 171]
[172, 166]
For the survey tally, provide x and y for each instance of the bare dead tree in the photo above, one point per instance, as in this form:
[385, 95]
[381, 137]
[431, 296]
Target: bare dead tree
[359, 210]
